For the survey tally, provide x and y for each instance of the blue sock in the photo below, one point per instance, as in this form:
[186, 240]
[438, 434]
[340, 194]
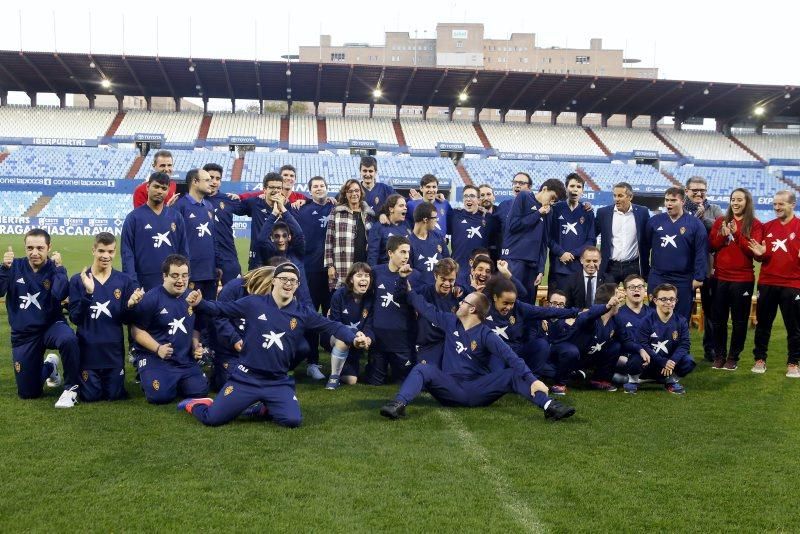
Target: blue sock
[47, 370]
[540, 399]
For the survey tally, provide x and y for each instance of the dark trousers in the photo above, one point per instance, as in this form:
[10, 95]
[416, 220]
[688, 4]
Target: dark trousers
[526, 273]
[685, 295]
[230, 270]
[381, 360]
[770, 298]
[617, 271]
[30, 371]
[635, 366]
[321, 298]
[603, 361]
[706, 301]
[730, 299]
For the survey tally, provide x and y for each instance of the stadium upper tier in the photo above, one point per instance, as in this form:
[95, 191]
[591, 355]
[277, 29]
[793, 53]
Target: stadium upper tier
[88, 205]
[68, 162]
[641, 177]
[303, 131]
[337, 169]
[706, 145]
[47, 122]
[180, 127]
[15, 203]
[721, 181]
[773, 146]
[185, 160]
[630, 139]
[425, 134]
[341, 130]
[498, 173]
[266, 127]
[540, 139]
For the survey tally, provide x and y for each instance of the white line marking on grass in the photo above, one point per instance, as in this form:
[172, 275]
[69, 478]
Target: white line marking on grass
[519, 510]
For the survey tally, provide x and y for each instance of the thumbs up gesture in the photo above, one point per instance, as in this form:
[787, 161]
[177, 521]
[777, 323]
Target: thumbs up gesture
[8, 257]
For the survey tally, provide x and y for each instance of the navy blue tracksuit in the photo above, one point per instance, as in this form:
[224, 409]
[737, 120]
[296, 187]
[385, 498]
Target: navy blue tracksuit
[227, 259]
[525, 237]
[469, 231]
[147, 239]
[430, 338]
[200, 241]
[663, 341]
[353, 313]
[426, 253]
[378, 237]
[570, 231]
[225, 333]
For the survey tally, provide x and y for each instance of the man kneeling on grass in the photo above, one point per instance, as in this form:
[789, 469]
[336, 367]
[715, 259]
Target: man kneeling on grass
[465, 378]
[665, 342]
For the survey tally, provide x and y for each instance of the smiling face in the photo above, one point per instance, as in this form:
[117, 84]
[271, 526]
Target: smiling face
[353, 193]
[429, 191]
[216, 180]
[444, 283]
[471, 202]
[36, 250]
[163, 164]
[318, 190]
[784, 208]
[481, 271]
[665, 302]
[177, 279]
[281, 239]
[104, 255]
[696, 191]
[284, 285]
[361, 282]
[487, 197]
[590, 259]
[738, 203]
[368, 176]
[504, 302]
[273, 190]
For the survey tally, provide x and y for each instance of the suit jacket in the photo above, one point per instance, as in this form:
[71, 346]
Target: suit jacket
[575, 289]
[602, 227]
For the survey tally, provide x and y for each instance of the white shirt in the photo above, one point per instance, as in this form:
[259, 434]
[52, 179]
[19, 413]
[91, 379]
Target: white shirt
[624, 240]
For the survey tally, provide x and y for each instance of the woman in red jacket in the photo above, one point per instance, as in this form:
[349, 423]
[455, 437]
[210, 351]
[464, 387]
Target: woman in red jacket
[733, 272]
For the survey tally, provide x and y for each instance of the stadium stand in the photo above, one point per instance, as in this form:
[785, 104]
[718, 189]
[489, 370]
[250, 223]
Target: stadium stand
[706, 145]
[341, 130]
[541, 139]
[498, 172]
[303, 132]
[49, 121]
[15, 203]
[176, 127]
[627, 140]
[88, 205]
[424, 134]
[773, 146]
[266, 127]
[68, 162]
[641, 177]
[337, 169]
[721, 181]
[185, 160]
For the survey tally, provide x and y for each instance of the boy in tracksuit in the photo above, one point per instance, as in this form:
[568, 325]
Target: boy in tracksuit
[470, 228]
[224, 207]
[678, 244]
[430, 337]
[258, 207]
[466, 377]
[99, 302]
[198, 216]
[428, 246]
[571, 231]
[150, 233]
[664, 340]
[166, 342]
[34, 287]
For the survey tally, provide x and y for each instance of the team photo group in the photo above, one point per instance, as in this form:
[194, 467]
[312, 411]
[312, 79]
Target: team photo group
[536, 295]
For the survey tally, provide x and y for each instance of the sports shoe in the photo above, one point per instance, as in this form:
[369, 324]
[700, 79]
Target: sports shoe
[558, 389]
[760, 367]
[68, 398]
[792, 371]
[557, 411]
[579, 375]
[333, 382]
[730, 365]
[313, 370]
[54, 380]
[719, 363]
[603, 385]
[619, 378]
[631, 388]
[189, 404]
[393, 409]
[675, 388]
[258, 410]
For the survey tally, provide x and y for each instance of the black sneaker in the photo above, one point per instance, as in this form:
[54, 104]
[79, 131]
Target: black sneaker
[556, 411]
[394, 410]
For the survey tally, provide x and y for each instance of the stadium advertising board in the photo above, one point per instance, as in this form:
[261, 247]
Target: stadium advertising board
[362, 143]
[413, 183]
[241, 140]
[450, 147]
[652, 154]
[60, 226]
[149, 137]
[48, 141]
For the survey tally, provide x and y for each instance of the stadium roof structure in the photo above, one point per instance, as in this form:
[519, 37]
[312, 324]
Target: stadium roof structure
[81, 73]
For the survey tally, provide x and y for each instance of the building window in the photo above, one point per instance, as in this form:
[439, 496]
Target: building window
[523, 60]
[395, 58]
[459, 44]
[337, 56]
[583, 60]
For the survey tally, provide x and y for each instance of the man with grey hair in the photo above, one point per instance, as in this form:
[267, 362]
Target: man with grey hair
[697, 204]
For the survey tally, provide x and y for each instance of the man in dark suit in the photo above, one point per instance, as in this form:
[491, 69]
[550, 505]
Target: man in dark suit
[620, 228]
[581, 286]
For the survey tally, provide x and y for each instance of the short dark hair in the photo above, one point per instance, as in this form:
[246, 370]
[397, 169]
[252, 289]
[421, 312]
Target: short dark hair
[394, 242]
[173, 259]
[287, 168]
[368, 161]
[216, 167]
[468, 186]
[38, 232]
[676, 192]
[162, 154]
[555, 186]
[272, 177]
[527, 177]
[604, 292]
[427, 179]
[391, 202]
[631, 278]
[160, 177]
[574, 176]
[590, 248]
[317, 179]
[664, 287]
[280, 225]
[482, 258]
[497, 285]
[485, 186]
[423, 211]
[623, 185]
[192, 175]
[104, 238]
[445, 266]
[556, 292]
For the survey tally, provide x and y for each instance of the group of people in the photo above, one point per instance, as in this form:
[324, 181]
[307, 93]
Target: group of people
[433, 297]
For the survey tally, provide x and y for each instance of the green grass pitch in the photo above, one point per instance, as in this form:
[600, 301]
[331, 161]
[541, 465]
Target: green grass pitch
[722, 458]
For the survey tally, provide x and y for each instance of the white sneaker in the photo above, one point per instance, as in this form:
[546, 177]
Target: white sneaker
[315, 372]
[55, 379]
[792, 371]
[68, 398]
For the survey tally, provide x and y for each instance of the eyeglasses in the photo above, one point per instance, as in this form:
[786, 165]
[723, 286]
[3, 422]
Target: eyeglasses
[698, 191]
[179, 276]
[291, 282]
[468, 303]
[470, 196]
[353, 191]
[519, 182]
[557, 304]
[667, 300]
[274, 187]
[636, 287]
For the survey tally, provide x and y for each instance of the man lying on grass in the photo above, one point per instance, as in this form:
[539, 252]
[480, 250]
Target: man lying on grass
[465, 378]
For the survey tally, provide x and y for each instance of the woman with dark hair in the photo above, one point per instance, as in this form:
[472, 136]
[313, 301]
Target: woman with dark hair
[395, 211]
[346, 238]
[350, 305]
[734, 277]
